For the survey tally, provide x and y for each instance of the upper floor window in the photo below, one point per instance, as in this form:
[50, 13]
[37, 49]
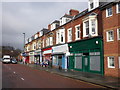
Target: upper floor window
[51, 40]
[77, 32]
[118, 8]
[91, 4]
[111, 62]
[93, 26]
[39, 45]
[34, 46]
[43, 43]
[118, 33]
[69, 34]
[60, 36]
[110, 35]
[47, 41]
[87, 27]
[90, 26]
[57, 37]
[109, 12]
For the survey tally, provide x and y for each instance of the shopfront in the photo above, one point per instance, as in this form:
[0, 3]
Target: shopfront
[47, 58]
[31, 57]
[25, 58]
[38, 57]
[59, 56]
[87, 55]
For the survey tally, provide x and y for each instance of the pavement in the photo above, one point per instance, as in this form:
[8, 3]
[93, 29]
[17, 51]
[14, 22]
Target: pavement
[106, 81]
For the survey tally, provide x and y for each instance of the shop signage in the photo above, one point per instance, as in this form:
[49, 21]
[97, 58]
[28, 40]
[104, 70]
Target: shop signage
[78, 54]
[60, 49]
[31, 53]
[95, 53]
[47, 52]
[71, 54]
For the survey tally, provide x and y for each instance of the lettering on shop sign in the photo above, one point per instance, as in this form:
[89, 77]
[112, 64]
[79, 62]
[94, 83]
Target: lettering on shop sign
[71, 54]
[78, 54]
[95, 53]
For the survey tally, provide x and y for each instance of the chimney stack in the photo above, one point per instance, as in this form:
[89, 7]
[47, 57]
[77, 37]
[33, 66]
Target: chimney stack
[73, 12]
[49, 27]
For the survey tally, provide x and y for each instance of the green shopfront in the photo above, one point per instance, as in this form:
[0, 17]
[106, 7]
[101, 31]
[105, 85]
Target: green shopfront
[87, 55]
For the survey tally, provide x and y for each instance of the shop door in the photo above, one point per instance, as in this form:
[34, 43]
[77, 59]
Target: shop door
[71, 62]
[60, 60]
[86, 64]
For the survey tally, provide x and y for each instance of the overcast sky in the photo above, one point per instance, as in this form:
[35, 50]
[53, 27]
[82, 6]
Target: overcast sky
[31, 17]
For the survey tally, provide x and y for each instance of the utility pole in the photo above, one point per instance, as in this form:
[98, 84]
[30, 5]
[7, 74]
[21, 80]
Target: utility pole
[24, 42]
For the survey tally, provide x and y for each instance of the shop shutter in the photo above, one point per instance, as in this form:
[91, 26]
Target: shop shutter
[95, 63]
[78, 62]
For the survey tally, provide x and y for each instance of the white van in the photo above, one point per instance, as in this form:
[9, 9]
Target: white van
[6, 59]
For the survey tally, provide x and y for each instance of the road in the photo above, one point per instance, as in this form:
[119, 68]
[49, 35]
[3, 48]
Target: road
[21, 76]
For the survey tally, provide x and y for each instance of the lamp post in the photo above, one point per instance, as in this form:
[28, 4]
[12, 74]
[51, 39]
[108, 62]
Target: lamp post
[24, 42]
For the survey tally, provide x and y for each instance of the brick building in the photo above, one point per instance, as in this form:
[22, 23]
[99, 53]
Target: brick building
[87, 41]
[111, 37]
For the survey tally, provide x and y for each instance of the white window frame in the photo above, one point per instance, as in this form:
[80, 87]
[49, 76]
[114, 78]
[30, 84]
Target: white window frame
[39, 44]
[117, 9]
[61, 36]
[108, 35]
[51, 40]
[43, 43]
[118, 34]
[69, 35]
[76, 32]
[57, 37]
[91, 3]
[107, 12]
[89, 19]
[108, 59]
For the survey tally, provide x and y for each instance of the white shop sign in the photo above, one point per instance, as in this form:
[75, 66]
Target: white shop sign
[31, 53]
[60, 49]
[47, 52]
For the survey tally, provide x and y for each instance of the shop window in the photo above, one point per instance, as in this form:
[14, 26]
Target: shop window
[110, 35]
[111, 62]
[118, 8]
[118, 33]
[109, 12]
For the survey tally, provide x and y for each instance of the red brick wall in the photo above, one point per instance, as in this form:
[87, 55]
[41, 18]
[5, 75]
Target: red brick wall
[111, 48]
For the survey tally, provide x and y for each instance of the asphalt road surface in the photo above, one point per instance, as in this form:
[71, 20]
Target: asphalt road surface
[21, 76]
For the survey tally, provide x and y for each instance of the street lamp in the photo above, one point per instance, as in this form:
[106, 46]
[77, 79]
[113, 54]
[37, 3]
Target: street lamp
[24, 42]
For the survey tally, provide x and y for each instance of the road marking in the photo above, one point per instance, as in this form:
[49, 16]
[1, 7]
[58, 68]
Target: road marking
[22, 78]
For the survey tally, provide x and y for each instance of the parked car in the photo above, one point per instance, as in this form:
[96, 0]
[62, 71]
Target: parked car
[6, 59]
[14, 61]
